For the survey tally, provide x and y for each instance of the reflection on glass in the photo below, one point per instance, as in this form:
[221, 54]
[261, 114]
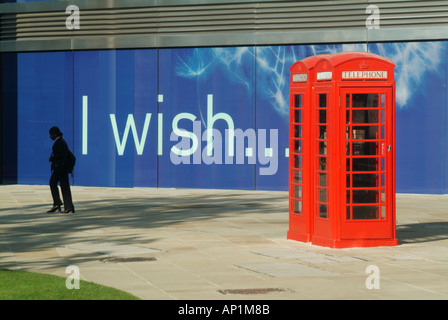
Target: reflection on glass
[298, 116]
[365, 164]
[322, 179]
[297, 206]
[365, 116]
[365, 180]
[322, 163]
[322, 116]
[297, 176]
[298, 161]
[322, 210]
[298, 101]
[364, 100]
[298, 192]
[323, 147]
[322, 195]
[365, 132]
[322, 100]
[298, 131]
[365, 148]
[365, 196]
[298, 146]
[365, 212]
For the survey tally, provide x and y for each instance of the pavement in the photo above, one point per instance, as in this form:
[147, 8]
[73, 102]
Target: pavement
[193, 244]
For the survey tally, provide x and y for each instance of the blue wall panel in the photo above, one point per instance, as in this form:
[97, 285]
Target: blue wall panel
[120, 111]
[203, 89]
[44, 99]
[115, 98]
[421, 107]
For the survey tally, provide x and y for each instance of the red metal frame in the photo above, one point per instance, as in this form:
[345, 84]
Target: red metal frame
[345, 185]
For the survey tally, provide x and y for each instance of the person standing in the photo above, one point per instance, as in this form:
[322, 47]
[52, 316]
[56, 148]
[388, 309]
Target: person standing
[59, 173]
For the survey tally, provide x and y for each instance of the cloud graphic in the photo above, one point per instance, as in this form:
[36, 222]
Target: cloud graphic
[412, 61]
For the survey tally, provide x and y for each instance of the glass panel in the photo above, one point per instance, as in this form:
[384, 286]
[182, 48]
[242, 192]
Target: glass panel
[298, 116]
[383, 195]
[298, 176]
[298, 161]
[298, 101]
[361, 133]
[297, 206]
[322, 116]
[322, 132]
[323, 147]
[322, 195]
[298, 146]
[322, 163]
[365, 148]
[298, 131]
[348, 181]
[348, 213]
[383, 116]
[383, 100]
[298, 192]
[383, 212]
[365, 196]
[348, 196]
[322, 100]
[365, 164]
[365, 100]
[322, 179]
[365, 212]
[322, 210]
[365, 180]
[365, 116]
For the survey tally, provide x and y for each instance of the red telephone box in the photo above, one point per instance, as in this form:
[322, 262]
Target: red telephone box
[342, 158]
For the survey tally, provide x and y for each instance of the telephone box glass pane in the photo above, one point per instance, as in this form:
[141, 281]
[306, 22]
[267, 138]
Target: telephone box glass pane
[365, 148]
[298, 101]
[365, 116]
[297, 206]
[365, 180]
[297, 146]
[298, 192]
[365, 132]
[298, 116]
[365, 196]
[365, 212]
[365, 164]
[322, 210]
[364, 100]
[323, 100]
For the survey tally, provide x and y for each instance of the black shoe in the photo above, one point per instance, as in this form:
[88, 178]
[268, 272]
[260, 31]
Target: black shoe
[69, 211]
[54, 208]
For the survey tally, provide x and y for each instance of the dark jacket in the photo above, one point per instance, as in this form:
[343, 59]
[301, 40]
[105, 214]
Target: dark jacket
[59, 156]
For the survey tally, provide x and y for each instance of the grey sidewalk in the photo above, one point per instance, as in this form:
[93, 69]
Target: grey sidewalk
[208, 244]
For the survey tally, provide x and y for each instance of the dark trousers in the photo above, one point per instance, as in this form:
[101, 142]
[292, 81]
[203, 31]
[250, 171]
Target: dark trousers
[62, 178]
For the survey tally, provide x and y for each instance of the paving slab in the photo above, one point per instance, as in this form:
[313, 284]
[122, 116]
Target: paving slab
[192, 244]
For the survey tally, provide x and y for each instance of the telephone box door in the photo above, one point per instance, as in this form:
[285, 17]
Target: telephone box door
[367, 181]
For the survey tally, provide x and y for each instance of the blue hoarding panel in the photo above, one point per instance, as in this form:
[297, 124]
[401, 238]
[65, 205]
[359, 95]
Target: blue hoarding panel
[44, 99]
[139, 117]
[206, 88]
[421, 138]
[115, 109]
